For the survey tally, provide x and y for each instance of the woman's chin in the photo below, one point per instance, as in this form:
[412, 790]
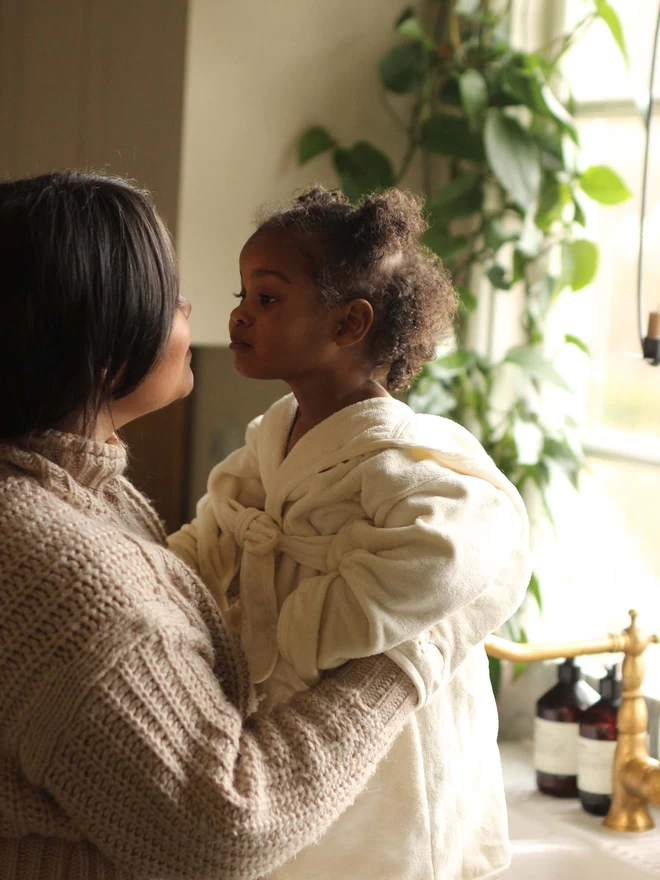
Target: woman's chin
[186, 384]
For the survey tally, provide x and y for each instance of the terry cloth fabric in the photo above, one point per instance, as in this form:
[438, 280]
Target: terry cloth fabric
[378, 525]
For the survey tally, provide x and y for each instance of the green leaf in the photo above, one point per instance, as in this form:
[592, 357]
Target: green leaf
[404, 68]
[495, 671]
[468, 301]
[554, 196]
[496, 234]
[514, 157]
[557, 110]
[451, 136]
[531, 359]
[584, 261]
[522, 84]
[446, 246]
[579, 343]
[363, 169]
[534, 590]
[452, 365]
[611, 19]
[549, 137]
[474, 96]
[604, 185]
[408, 12]
[430, 396]
[561, 453]
[313, 142]
[497, 277]
[579, 216]
[519, 263]
[410, 26]
[449, 92]
[461, 197]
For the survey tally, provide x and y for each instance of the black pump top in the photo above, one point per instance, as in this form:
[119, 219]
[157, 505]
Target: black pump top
[569, 673]
[610, 685]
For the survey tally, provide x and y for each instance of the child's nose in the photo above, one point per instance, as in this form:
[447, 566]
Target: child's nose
[240, 315]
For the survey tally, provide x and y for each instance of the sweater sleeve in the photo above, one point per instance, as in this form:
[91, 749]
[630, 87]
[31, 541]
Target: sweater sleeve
[446, 550]
[203, 544]
[137, 743]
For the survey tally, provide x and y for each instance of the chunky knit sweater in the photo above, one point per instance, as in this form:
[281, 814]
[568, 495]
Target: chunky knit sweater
[129, 742]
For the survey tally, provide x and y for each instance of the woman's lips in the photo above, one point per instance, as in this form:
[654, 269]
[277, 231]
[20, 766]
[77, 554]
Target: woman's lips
[239, 346]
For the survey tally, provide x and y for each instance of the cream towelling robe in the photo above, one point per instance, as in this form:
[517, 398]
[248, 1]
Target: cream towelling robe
[347, 547]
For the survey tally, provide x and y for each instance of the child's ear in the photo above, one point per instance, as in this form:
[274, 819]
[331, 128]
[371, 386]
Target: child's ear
[355, 320]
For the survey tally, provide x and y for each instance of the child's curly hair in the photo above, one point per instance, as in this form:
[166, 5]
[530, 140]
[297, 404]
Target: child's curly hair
[372, 251]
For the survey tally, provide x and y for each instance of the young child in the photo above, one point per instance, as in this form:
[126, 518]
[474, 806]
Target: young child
[345, 516]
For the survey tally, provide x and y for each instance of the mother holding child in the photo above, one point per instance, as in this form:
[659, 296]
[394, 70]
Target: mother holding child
[301, 674]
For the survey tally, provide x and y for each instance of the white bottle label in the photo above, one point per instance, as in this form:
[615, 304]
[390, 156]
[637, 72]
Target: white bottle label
[595, 765]
[556, 746]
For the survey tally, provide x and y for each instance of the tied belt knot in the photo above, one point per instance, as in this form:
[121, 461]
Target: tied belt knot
[260, 538]
[256, 532]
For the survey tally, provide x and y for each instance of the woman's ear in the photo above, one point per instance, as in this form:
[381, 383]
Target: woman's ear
[355, 320]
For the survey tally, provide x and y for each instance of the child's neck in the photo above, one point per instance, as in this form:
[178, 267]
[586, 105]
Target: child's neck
[317, 404]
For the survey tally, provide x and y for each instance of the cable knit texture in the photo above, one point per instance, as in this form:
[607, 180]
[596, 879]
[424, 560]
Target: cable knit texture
[129, 742]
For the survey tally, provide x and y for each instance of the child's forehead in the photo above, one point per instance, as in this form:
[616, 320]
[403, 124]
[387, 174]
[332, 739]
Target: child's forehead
[276, 247]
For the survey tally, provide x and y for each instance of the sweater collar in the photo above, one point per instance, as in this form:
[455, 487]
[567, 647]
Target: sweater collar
[89, 462]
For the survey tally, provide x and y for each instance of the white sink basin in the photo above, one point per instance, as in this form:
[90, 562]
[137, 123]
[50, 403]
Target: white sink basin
[554, 839]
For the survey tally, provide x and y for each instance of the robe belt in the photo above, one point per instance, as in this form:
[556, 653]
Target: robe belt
[261, 539]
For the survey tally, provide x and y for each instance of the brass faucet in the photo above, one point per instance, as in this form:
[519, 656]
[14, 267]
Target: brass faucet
[636, 782]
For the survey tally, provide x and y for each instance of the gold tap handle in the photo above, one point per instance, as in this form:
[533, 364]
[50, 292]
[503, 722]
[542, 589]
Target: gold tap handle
[638, 640]
[504, 649]
[631, 641]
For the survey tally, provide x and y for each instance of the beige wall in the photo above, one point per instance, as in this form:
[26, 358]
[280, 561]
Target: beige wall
[258, 73]
[99, 84]
[94, 83]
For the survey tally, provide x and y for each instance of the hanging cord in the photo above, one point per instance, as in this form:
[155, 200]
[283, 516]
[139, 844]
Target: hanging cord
[645, 171]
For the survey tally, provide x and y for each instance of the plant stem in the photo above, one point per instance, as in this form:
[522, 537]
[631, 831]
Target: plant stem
[407, 159]
[395, 116]
[567, 40]
[411, 131]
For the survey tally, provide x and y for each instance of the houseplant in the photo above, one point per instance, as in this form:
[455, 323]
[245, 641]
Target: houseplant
[491, 125]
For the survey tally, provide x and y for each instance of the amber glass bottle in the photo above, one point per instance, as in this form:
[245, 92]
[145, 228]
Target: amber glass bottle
[556, 731]
[597, 744]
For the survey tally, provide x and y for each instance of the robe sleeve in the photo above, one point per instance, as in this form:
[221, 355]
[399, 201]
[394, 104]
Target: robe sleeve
[436, 549]
[202, 544]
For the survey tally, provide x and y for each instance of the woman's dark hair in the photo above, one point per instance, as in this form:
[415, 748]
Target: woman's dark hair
[88, 289]
[373, 251]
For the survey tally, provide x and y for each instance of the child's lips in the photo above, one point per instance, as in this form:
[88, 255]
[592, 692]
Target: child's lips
[237, 345]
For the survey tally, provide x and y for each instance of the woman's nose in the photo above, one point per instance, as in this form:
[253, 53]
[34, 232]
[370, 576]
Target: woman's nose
[184, 306]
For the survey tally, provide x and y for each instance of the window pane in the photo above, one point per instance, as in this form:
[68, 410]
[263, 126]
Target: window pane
[595, 68]
[607, 560]
[623, 390]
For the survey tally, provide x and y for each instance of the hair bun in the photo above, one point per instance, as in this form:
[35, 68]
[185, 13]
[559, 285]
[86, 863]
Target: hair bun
[320, 197]
[393, 217]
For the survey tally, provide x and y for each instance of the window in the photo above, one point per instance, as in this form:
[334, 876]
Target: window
[609, 556]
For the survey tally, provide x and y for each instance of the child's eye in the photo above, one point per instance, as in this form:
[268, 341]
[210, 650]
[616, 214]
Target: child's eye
[267, 300]
[239, 295]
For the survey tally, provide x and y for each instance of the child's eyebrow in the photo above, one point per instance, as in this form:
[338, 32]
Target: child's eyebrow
[259, 273]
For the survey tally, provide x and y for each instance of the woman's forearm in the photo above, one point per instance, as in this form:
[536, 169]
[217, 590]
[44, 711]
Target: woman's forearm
[206, 792]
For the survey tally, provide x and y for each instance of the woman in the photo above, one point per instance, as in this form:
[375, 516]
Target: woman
[130, 742]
